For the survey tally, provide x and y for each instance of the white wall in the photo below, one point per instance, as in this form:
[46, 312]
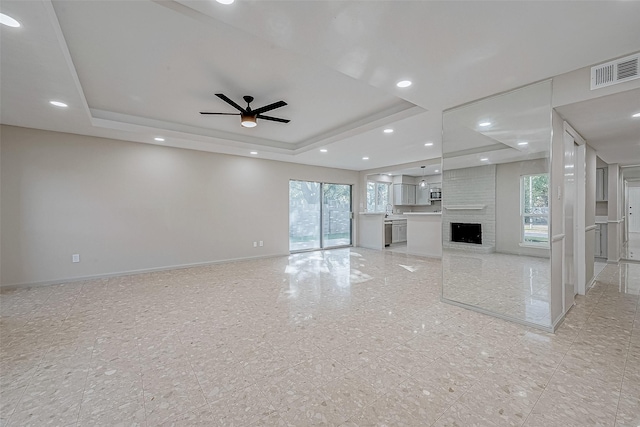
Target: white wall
[590, 211]
[508, 222]
[575, 86]
[127, 206]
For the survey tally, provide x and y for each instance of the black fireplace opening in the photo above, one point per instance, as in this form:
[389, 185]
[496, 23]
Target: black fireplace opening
[466, 233]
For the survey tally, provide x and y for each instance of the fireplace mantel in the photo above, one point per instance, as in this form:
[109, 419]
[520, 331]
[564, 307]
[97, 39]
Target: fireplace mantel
[465, 207]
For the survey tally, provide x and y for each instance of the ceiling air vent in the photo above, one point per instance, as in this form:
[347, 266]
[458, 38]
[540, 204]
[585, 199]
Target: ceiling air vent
[614, 72]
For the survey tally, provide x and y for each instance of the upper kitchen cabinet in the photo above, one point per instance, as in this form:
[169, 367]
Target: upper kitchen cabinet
[404, 194]
[423, 195]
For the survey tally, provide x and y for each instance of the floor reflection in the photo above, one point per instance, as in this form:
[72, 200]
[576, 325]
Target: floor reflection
[303, 340]
[631, 249]
[510, 285]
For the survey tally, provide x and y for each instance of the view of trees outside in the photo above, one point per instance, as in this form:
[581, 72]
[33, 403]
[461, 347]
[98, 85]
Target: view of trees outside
[377, 196]
[535, 208]
[336, 218]
[304, 215]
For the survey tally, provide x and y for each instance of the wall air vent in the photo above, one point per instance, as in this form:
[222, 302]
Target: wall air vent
[614, 72]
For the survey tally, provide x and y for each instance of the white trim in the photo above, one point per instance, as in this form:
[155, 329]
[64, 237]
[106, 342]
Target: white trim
[579, 245]
[613, 221]
[550, 328]
[534, 246]
[578, 139]
[561, 319]
[133, 272]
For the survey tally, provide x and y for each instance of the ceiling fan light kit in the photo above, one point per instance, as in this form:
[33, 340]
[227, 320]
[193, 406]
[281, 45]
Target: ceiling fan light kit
[248, 121]
[248, 117]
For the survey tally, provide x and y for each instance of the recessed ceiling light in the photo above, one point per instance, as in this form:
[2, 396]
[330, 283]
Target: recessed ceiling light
[523, 143]
[428, 144]
[58, 104]
[484, 124]
[323, 150]
[404, 83]
[388, 130]
[159, 139]
[225, 1]
[636, 115]
[8, 21]
[437, 170]
[253, 152]
[484, 159]
[365, 158]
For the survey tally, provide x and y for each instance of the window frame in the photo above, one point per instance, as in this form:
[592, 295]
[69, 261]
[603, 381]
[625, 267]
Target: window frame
[524, 216]
[378, 207]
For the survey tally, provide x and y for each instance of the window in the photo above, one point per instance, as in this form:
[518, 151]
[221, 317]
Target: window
[534, 208]
[377, 196]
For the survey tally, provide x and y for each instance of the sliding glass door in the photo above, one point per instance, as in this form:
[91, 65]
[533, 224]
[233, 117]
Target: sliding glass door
[336, 215]
[319, 215]
[304, 215]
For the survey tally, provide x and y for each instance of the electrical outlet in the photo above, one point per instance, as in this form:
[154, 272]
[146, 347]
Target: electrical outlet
[261, 243]
[255, 244]
[75, 258]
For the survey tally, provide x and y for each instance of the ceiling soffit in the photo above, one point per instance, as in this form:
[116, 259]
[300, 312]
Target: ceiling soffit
[128, 87]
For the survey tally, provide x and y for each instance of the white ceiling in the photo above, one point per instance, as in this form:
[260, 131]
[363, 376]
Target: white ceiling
[134, 70]
[607, 125]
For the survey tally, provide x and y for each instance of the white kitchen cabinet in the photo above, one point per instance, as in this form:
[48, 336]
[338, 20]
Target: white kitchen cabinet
[399, 232]
[403, 232]
[422, 195]
[404, 194]
[601, 185]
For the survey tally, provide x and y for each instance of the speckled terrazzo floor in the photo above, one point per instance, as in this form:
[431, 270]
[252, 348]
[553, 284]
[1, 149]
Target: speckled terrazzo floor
[346, 337]
[511, 285]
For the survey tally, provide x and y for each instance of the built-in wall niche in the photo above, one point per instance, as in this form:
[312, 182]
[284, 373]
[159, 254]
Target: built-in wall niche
[496, 205]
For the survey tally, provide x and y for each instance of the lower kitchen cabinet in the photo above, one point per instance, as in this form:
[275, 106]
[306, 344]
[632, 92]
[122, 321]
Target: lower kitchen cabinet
[399, 232]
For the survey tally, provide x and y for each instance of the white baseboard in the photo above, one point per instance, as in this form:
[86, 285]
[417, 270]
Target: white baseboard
[131, 272]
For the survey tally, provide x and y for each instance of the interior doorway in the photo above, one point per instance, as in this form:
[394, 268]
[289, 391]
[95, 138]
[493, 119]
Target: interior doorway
[633, 210]
[320, 215]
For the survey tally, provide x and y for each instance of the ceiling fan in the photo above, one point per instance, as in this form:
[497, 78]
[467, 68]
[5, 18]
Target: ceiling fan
[247, 115]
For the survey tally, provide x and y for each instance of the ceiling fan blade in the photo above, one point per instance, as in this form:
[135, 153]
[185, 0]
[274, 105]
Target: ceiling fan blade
[220, 114]
[226, 99]
[269, 107]
[273, 119]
